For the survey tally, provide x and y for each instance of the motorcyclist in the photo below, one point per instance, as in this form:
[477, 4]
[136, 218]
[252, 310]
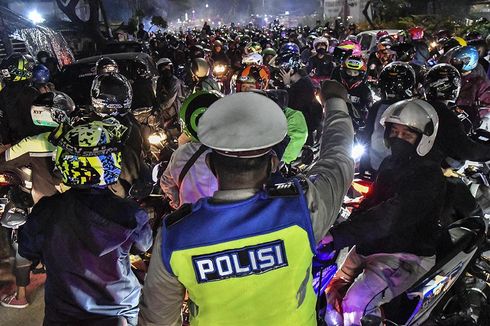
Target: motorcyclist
[16, 100]
[219, 56]
[422, 53]
[170, 91]
[106, 65]
[396, 82]
[111, 95]
[401, 215]
[381, 57]
[268, 54]
[89, 278]
[201, 78]
[241, 129]
[300, 88]
[254, 78]
[475, 89]
[187, 178]
[49, 110]
[353, 75]
[41, 79]
[321, 64]
[47, 60]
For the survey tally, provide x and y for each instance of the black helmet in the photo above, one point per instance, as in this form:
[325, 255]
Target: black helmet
[106, 65]
[442, 82]
[196, 51]
[111, 94]
[397, 81]
[16, 67]
[200, 68]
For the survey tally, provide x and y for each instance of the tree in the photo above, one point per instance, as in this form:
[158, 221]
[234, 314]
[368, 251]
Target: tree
[90, 26]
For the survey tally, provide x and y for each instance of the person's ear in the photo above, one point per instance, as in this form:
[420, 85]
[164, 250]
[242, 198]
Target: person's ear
[209, 163]
[274, 163]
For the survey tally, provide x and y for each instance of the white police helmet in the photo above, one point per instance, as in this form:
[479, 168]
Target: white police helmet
[244, 125]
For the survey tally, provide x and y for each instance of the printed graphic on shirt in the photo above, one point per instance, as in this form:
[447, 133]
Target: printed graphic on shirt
[240, 262]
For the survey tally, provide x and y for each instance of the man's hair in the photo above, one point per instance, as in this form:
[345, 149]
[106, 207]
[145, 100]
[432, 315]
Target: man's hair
[239, 167]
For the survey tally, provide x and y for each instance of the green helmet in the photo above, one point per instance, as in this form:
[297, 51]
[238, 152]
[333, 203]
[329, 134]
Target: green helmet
[90, 154]
[193, 108]
[269, 51]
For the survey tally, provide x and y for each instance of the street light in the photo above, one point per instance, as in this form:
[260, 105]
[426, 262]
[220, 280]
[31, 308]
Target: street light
[35, 17]
[207, 6]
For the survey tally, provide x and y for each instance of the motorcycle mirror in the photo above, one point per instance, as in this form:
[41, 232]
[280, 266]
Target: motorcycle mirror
[141, 190]
[371, 320]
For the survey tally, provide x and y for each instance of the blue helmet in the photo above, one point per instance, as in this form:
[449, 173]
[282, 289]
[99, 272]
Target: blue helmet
[465, 58]
[40, 75]
[290, 48]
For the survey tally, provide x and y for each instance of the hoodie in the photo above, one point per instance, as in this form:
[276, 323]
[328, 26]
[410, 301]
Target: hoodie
[84, 237]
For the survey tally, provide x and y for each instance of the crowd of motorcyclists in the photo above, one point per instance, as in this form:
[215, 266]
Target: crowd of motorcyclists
[248, 209]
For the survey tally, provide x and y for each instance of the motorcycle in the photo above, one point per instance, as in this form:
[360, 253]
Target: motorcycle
[220, 74]
[453, 292]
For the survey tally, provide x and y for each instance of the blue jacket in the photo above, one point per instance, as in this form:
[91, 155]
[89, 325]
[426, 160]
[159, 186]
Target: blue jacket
[84, 238]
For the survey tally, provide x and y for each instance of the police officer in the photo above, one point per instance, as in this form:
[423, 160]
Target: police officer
[249, 248]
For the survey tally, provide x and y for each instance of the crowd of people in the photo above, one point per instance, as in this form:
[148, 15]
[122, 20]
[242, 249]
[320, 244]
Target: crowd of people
[248, 214]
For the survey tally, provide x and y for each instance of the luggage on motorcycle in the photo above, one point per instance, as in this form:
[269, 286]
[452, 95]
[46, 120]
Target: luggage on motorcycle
[13, 218]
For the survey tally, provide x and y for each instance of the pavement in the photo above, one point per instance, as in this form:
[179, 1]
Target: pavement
[32, 315]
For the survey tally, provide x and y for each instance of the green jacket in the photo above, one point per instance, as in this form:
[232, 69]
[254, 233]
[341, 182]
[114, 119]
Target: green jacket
[297, 132]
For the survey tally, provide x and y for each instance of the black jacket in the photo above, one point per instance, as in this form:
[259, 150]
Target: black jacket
[452, 139]
[402, 212]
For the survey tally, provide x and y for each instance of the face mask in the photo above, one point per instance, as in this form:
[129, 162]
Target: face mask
[166, 73]
[400, 148]
[321, 51]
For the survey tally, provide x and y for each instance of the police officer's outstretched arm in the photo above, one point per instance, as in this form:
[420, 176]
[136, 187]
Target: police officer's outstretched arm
[335, 169]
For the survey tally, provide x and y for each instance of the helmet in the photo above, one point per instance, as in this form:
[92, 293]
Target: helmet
[258, 75]
[200, 68]
[193, 108]
[217, 43]
[51, 109]
[269, 51]
[289, 48]
[242, 125]
[397, 80]
[345, 49]
[353, 71]
[385, 41]
[253, 59]
[253, 47]
[40, 75]
[164, 61]
[442, 82]
[465, 58]
[106, 65]
[473, 36]
[42, 56]
[16, 67]
[380, 34]
[454, 42]
[416, 33]
[111, 94]
[320, 40]
[90, 154]
[196, 51]
[419, 116]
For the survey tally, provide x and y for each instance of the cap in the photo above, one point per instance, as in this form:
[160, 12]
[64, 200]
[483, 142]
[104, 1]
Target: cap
[244, 125]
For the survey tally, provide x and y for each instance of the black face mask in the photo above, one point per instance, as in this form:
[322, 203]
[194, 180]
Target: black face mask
[166, 73]
[321, 51]
[400, 148]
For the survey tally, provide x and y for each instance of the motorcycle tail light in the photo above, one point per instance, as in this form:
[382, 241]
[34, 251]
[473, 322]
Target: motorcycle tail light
[362, 186]
[4, 180]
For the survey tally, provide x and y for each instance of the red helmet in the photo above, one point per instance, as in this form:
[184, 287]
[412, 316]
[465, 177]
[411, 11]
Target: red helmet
[380, 34]
[416, 33]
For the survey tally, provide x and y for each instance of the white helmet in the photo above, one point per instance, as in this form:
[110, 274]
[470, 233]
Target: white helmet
[321, 39]
[417, 115]
[253, 59]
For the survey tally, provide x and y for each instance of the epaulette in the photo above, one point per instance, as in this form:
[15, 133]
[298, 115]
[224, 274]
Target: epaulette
[178, 215]
[287, 189]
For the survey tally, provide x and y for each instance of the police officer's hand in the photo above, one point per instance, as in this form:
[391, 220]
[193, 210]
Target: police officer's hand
[333, 89]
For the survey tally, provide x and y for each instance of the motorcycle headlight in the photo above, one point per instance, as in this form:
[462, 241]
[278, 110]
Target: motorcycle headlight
[157, 138]
[219, 69]
[357, 151]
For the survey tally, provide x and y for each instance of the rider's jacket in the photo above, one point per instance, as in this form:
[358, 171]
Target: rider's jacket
[246, 262]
